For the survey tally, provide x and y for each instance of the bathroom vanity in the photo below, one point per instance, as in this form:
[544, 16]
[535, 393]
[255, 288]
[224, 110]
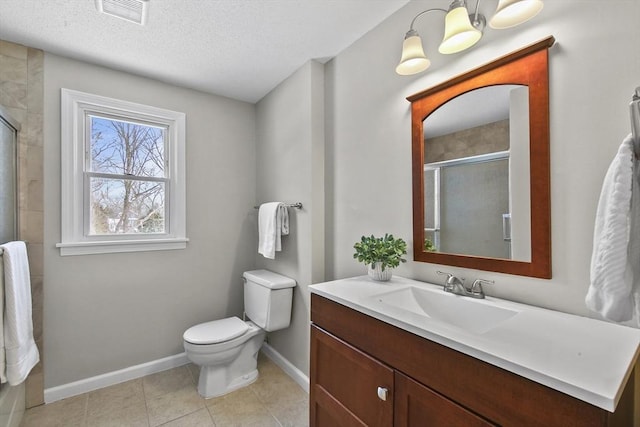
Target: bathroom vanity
[381, 355]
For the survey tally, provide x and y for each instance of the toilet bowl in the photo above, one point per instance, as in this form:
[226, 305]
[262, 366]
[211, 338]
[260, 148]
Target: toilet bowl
[227, 349]
[227, 365]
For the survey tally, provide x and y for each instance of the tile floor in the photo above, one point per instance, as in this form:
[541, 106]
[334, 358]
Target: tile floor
[170, 399]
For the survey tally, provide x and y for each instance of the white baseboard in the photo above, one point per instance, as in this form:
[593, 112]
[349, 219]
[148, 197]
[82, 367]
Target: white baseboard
[296, 374]
[100, 381]
[89, 384]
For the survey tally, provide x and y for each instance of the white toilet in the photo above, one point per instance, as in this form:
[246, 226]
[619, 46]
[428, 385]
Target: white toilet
[227, 350]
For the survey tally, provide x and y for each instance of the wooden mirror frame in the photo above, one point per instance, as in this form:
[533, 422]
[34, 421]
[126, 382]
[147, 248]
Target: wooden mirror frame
[529, 67]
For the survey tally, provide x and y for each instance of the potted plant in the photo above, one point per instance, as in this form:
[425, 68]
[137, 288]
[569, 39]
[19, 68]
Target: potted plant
[429, 246]
[380, 254]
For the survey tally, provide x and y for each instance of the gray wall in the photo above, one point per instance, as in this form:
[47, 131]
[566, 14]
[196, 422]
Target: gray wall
[592, 76]
[290, 168]
[109, 312]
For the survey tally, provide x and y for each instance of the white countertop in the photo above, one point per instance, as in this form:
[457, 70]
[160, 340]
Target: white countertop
[584, 358]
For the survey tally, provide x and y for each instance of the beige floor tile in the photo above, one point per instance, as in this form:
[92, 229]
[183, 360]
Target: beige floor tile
[249, 418]
[278, 390]
[194, 370]
[200, 418]
[167, 381]
[120, 419]
[63, 413]
[265, 363]
[131, 414]
[269, 371]
[282, 396]
[294, 414]
[170, 398]
[246, 420]
[240, 408]
[236, 400]
[118, 405]
[173, 405]
[108, 398]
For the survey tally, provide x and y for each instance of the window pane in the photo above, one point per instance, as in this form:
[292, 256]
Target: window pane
[123, 206]
[126, 148]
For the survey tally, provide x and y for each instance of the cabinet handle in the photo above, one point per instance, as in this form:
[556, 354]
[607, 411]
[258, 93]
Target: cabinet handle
[383, 393]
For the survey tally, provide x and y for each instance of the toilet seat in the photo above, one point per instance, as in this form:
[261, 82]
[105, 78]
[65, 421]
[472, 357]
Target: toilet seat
[216, 331]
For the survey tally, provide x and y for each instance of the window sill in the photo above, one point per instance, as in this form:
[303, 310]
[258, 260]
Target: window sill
[117, 246]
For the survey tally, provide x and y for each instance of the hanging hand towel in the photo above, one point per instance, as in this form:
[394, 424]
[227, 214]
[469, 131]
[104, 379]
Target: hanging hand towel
[273, 222]
[20, 351]
[615, 261]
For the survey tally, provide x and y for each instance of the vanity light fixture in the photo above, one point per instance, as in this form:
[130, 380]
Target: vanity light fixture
[462, 30]
[459, 32]
[514, 12]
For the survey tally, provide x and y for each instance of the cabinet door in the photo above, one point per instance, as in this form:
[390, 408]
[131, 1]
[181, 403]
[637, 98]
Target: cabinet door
[417, 405]
[347, 386]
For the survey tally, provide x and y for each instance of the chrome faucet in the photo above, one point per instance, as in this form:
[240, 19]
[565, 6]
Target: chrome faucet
[456, 286]
[476, 288]
[453, 284]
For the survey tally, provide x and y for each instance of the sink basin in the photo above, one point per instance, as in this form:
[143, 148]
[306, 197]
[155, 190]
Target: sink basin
[477, 316]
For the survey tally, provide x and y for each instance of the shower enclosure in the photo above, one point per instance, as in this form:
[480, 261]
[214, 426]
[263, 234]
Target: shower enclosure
[12, 398]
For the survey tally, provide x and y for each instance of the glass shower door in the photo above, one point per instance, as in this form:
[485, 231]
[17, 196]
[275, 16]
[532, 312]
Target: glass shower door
[8, 178]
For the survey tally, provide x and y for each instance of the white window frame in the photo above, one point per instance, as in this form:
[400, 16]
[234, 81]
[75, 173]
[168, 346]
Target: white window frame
[75, 106]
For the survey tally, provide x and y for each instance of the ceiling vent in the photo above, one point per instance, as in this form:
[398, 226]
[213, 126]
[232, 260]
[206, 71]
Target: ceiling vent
[129, 10]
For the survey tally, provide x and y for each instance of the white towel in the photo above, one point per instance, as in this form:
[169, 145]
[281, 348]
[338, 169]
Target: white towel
[19, 352]
[273, 223]
[615, 262]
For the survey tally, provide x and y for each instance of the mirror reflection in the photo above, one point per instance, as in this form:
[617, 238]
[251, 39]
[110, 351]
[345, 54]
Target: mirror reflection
[481, 187]
[476, 174]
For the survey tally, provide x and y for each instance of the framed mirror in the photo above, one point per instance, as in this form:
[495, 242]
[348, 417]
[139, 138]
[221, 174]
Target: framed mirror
[480, 160]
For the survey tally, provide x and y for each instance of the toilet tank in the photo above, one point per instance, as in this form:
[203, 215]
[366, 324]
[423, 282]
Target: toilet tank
[267, 299]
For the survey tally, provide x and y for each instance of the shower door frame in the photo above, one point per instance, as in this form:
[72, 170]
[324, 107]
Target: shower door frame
[5, 117]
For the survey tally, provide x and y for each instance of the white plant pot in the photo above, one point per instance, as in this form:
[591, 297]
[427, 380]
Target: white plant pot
[376, 273]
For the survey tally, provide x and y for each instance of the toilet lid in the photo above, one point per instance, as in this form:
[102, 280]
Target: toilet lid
[216, 331]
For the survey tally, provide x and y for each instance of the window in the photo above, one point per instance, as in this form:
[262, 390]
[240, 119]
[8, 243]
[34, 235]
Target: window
[123, 177]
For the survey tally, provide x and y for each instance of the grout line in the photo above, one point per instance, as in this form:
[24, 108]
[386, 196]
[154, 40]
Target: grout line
[266, 407]
[144, 398]
[213, 420]
[85, 418]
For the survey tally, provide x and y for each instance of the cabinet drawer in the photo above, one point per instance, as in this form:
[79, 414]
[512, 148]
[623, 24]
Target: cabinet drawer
[345, 384]
[417, 405]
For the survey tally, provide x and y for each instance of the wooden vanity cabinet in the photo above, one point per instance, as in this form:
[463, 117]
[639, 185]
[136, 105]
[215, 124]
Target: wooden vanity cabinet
[346, 385]
[353, 356]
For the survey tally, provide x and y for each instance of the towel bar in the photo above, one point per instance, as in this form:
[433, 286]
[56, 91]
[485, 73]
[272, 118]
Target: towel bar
[297, 205]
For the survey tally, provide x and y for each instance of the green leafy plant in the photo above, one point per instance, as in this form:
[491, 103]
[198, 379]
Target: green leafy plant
[429, 246]
[386, 250]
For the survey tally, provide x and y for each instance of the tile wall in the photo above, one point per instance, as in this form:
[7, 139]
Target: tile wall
[21, 93]
[483, 139]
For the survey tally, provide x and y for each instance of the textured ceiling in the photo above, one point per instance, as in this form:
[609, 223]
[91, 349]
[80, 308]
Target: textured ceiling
[236, 48]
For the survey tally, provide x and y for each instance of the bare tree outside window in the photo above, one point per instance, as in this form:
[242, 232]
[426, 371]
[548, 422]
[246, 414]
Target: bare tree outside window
[123, 176]
[127, 179]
